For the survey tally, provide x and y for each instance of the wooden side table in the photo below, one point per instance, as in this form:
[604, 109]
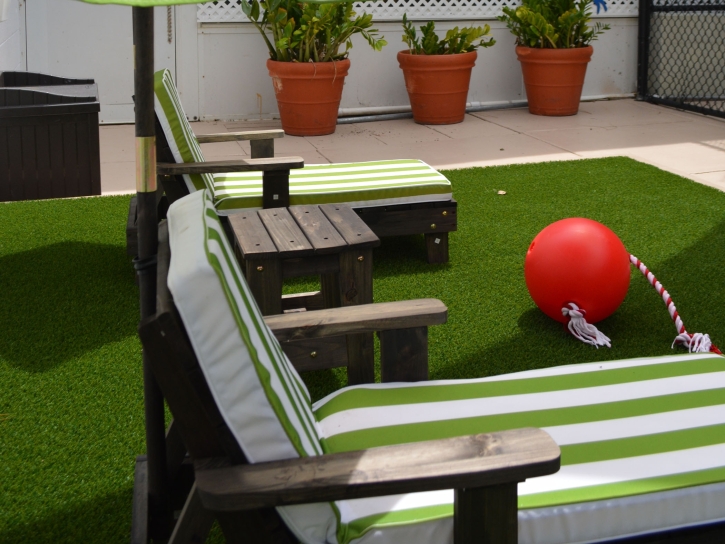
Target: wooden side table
[329, 240]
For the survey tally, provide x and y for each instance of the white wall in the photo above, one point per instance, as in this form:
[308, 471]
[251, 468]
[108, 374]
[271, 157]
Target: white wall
[233, 82]
[12, 37]
[79, 40]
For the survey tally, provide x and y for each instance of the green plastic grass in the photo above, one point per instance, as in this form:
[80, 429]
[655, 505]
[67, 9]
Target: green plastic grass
[71, 402]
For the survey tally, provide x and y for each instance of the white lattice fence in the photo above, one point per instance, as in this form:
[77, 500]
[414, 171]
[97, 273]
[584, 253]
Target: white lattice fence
[229, 11]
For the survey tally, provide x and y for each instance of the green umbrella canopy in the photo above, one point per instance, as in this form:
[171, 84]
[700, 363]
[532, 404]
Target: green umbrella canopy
[146, 3]
[152, 3]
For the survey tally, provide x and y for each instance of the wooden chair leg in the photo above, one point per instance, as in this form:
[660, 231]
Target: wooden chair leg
[360, 359]
[486, 515]
[140, 514]
[330, 289]
[404, 355]
[254, 526]
[437, 245]
[175, 451]
[356, 287]
[264, 277]
[275, 189]
[262, 149]
[194, 523]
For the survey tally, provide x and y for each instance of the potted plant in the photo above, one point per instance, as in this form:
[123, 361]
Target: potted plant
[308, 47]
[553, 40]
[437, 72]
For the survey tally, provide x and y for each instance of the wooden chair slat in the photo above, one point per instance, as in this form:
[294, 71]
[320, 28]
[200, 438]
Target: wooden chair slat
[353, 229]
[358, 319]
[251, 235]
[323, 237]
[285, 233]
[461, 462]
[222, 167]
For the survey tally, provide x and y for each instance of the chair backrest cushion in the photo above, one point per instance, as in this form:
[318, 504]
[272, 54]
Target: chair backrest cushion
[259, 393]
[177, 129]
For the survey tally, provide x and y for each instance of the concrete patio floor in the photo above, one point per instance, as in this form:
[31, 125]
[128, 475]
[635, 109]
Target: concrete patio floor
[684, 143]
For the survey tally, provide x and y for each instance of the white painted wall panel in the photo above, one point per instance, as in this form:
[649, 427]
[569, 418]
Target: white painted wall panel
[234, 83]
[12, 46]
[79, 40]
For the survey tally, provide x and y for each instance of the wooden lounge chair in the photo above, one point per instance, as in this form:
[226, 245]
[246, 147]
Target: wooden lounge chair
[394, 197]
[642, 440]
[274, 420]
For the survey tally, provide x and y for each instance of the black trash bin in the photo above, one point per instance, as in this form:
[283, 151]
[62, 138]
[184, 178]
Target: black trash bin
[49, 144]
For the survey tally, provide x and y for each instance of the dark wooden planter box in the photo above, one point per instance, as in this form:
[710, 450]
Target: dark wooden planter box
[48, 137]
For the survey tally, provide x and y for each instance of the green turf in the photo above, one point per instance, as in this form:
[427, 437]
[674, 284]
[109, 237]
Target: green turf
[71, 399]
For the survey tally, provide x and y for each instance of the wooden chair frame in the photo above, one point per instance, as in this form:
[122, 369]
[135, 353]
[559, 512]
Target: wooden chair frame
[432, 219]
[483, 469]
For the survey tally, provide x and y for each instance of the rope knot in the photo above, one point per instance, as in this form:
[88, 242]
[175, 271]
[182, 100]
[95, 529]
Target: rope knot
[581, 330]
[574, 311]
[696, 343]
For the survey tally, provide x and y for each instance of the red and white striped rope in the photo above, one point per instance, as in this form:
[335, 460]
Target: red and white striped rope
[694, 342]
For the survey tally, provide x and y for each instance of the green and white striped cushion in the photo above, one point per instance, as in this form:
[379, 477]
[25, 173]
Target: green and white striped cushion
[378, 183]
[642, 440]
[361, 184]
[177, 130]
[260, 395]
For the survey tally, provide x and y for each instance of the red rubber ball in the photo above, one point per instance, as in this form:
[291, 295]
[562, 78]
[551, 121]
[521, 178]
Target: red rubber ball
[581, 261]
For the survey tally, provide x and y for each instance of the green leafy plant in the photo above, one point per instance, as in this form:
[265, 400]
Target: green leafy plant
[456, 41]
[553, 24]
[309, 32]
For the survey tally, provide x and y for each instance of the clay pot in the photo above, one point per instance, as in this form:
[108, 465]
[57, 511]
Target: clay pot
[437, 85]
[554, 78]
[308, 95]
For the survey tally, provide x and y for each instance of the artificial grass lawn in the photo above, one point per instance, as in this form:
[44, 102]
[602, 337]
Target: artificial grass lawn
[70, 365]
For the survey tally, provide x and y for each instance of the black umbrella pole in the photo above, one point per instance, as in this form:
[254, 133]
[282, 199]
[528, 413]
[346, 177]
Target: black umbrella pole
[159, 513]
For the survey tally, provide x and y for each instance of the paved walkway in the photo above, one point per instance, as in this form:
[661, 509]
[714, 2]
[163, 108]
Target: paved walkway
[688, 144]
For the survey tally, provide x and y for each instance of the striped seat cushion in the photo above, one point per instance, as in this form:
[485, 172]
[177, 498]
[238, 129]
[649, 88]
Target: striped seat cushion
[642, 440]
[379, 183]
[363, 184]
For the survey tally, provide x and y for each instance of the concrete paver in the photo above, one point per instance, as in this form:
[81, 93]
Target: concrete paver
[601, 113]
[684, 143]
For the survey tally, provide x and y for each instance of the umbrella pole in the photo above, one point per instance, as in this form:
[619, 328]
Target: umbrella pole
[159, 512]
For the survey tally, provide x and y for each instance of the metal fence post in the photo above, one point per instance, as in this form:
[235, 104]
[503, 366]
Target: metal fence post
[643, 49]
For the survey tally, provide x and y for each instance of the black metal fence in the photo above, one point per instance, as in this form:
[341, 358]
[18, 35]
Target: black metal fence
[681, 58]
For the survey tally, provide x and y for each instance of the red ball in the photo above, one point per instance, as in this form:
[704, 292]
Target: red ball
[581, 261]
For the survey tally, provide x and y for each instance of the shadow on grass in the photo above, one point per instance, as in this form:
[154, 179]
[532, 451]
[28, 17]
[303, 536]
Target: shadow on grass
[404, 256]
[63, 300]
[104, 519]
[641, 327]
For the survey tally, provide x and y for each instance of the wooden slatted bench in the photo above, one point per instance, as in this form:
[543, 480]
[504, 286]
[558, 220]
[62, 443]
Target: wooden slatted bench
[327, 240]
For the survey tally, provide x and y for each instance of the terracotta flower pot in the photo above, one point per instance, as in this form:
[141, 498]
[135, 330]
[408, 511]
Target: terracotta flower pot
[437, 85]
[308, 95]
[554, 78]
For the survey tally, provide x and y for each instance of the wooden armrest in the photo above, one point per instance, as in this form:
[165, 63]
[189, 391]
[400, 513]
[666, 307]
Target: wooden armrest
[239, 165]
[358, 319]
[462, 462]
[239, 136]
